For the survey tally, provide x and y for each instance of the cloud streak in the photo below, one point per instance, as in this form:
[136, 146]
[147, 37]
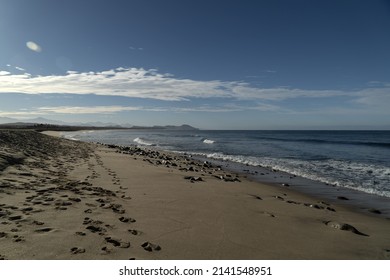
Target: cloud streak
[113, 109]
[224, 96]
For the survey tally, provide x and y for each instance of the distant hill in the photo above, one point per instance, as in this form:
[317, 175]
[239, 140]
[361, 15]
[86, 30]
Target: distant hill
[99, 125]
[46, 124]
[4, 120]
[167, 127]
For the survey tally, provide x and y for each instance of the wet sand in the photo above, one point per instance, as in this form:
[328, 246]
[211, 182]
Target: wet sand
[62, 199]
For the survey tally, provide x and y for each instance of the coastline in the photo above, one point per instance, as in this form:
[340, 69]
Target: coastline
[370, 204]
[96, 202]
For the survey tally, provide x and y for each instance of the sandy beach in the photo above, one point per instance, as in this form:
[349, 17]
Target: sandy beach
[62, 199]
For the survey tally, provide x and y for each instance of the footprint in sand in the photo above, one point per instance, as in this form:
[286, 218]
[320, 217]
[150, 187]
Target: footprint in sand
[293, 202]
[95, 229]
[117, 242]
[134, 232]
[2, 257]
[346, 227]
[42, 230]
[386, 253]
[15, 218]
[90, 205]
[127, 220]
[77, 250]
[63, 203]
[88, 220]
[150, 246]
[27, 209]
[17, 238]
[268, 214]
[256, 196]
[117, 208]
[3, 234]
[106, 250]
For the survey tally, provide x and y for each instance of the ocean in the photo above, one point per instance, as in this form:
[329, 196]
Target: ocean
[357, 160]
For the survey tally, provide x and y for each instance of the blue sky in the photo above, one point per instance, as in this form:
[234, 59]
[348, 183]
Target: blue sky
[211, 64]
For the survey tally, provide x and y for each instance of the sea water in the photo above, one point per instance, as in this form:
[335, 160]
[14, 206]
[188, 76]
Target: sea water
[358, 160]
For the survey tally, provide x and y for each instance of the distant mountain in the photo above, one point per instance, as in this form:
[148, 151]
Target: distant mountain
[7, 120]
[34, 121]
[181, 127]
[167, 127]
[4, 120]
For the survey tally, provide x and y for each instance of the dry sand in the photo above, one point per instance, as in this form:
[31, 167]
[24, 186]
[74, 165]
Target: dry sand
[62, 199]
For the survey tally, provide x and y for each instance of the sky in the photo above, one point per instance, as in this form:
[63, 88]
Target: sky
[220, 64]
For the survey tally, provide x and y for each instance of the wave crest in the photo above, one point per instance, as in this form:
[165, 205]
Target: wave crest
[143, 142]
[208, 141]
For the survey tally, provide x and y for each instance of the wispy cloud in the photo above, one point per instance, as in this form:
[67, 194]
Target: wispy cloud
[64, 110]
[21, 113]
[87, 110]
[150, 84]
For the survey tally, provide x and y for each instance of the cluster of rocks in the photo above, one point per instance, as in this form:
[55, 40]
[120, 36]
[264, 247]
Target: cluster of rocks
[181, 162]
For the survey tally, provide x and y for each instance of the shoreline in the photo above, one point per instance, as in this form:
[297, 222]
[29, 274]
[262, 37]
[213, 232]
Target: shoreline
[77, 200]
[357, 200]
[370, 204]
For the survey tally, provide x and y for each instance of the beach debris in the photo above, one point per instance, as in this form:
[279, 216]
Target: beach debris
[285, 185]
[346, 227]
[150, 246]
[342, 198]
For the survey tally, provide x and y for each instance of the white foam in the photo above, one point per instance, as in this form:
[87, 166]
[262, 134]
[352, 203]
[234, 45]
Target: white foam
[69, 136]
[367, 178]
[143, 142]
[208, 141]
